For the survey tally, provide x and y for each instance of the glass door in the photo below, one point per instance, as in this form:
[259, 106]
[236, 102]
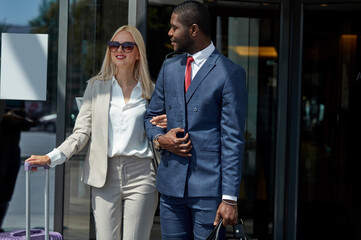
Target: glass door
[248, 34]
[329, 205]
[27, 127]
[91, 25]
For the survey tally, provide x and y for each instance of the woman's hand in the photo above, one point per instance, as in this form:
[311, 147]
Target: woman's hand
[160, 121]
[38, 160]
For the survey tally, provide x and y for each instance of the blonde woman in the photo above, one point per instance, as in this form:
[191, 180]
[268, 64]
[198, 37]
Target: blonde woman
[118, 162]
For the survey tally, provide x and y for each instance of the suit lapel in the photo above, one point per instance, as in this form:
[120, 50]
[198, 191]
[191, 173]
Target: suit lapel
[201, 74]
[104, 105]
[179, 75]
[105, 95]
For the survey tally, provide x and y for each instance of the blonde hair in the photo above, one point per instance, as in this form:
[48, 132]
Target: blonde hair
[141, 72]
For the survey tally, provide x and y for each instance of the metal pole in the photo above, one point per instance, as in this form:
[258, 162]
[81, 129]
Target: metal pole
[46, 200]
[27, 205]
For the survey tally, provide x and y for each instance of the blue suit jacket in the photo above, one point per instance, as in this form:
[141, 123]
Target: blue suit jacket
[213, 113]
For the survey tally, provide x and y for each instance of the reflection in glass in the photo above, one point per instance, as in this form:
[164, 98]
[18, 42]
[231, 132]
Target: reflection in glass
[158, 41]
[329, 164]
[250, 39]
[40, 17]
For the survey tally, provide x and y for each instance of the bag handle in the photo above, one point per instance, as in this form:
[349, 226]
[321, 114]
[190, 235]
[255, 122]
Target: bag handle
[214, 234]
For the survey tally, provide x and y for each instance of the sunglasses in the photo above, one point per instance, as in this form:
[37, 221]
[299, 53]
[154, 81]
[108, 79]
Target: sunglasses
[127, 47]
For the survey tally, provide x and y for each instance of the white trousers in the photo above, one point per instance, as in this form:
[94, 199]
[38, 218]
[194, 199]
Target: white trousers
[124, 207]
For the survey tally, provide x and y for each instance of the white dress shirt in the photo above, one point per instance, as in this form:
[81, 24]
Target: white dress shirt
[200, 58]
[126, 135]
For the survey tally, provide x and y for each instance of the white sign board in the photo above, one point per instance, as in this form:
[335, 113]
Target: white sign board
[24, 59]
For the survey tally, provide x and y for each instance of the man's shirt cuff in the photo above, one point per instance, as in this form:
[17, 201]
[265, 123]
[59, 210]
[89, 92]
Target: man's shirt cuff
[228, 197]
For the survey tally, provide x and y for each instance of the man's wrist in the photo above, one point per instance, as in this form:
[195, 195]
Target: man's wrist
[229, 197]
[230, 202]
[156, 142]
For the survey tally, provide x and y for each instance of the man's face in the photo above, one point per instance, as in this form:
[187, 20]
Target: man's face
[179, 35]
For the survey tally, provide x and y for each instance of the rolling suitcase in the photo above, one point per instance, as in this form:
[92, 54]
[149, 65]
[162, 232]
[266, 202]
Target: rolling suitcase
[34, 234]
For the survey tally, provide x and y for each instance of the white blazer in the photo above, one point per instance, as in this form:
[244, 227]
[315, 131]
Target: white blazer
[92, 124]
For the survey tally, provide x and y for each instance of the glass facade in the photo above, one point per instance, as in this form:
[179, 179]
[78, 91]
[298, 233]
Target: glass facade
[329, 134]
[252, 41]
[28, 127]
[300, 167]
[91, 25]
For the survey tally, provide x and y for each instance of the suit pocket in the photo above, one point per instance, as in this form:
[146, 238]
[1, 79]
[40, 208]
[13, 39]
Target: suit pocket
[211, 142]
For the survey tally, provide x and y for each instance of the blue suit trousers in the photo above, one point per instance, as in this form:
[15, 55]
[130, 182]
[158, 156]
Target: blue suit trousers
[188, 217]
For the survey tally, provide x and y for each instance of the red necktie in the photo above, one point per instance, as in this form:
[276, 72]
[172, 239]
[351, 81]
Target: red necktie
[188, 76]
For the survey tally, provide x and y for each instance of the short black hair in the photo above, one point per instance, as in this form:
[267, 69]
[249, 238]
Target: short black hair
[193, 12]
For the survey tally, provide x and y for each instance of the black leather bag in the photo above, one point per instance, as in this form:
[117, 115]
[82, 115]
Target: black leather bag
[238, 231]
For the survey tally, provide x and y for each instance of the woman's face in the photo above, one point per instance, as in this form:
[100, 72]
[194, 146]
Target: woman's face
[123, 58]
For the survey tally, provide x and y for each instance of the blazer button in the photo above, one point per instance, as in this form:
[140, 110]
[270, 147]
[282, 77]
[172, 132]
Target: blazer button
[195, 109]
[169, 107]
[167, 153]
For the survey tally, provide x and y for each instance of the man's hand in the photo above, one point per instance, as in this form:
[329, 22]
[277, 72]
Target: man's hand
[172, 143]
[229, 213]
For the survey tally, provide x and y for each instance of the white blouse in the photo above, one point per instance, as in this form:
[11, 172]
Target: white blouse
[126, 135]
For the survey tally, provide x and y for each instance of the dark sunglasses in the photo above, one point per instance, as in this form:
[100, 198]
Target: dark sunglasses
[127, 47]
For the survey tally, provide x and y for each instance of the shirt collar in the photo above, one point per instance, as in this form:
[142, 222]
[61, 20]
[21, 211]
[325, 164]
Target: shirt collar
[202, 55]
[115, 81]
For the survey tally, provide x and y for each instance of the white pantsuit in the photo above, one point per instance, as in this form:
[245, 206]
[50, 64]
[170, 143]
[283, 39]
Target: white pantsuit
[131, 184]
[118, 162]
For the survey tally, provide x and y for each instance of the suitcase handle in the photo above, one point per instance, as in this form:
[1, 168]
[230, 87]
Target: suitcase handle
[28, 166]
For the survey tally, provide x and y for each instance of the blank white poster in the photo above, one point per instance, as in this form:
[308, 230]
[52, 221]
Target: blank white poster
[24, 59]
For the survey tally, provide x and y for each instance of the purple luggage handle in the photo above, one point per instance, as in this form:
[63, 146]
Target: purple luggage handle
[28, 167]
